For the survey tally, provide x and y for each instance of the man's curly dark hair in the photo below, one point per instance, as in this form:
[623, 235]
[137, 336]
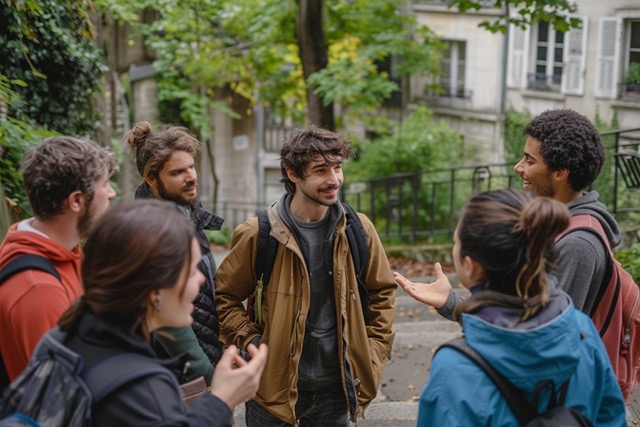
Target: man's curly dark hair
[568, 141]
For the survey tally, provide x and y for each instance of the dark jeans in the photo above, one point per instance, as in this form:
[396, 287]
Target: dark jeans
[322, 408]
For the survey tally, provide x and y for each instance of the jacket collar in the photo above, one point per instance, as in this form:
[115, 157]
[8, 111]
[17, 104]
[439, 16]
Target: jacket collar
[202, 219]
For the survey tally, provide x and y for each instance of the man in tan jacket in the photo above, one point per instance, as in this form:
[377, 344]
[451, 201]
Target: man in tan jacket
[327, 351]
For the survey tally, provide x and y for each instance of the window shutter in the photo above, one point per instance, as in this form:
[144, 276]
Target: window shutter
[609, 38]
[574, 58]
[517, 61]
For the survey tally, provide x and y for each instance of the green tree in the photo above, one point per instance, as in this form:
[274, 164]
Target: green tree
[523, 13]
[416, 145]
[514, 139]
[49, 70]
[48, 46]
[302, 55]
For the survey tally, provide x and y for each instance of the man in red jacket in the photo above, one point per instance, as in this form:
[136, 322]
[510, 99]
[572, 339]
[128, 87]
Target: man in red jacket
[67, 183]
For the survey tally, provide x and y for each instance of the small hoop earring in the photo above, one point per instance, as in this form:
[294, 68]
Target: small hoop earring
[158, 302]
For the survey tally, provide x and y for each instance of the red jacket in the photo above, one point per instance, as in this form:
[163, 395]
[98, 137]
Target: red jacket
[32, 301]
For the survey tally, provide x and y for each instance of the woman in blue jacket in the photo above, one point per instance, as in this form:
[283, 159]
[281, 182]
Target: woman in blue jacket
[140, 274]
[516, 319]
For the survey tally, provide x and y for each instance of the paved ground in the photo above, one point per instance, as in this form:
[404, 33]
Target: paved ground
[419, 331]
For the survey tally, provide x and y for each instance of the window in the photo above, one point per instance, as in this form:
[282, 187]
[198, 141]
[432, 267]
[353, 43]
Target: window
[618, 49]
[542, 58]
[549, 54]
[632, 67]
[453, 70]
[388, 65]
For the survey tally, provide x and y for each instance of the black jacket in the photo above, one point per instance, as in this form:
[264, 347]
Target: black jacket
[205, 317]
[153, 400]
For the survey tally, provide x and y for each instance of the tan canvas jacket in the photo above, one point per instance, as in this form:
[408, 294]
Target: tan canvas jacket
[365, 348]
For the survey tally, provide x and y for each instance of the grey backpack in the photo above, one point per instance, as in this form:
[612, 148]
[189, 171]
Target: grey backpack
[51, 392]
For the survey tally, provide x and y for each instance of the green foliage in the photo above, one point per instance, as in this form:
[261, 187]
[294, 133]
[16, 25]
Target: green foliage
[414, 151]
[16, 137]
[207, 49]
[49, 70]
[47, 48]
[362, 35]
[633, 73]
[220, 237]
[630, 260]
[604, 184]
[6, 215]
[514, 140]
[523, 13]
[418, 144]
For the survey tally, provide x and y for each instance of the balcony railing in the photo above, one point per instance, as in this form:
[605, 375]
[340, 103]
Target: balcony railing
[629, 91]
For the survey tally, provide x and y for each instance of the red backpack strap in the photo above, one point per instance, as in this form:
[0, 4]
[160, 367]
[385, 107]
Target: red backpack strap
[585, 221]
[608, 294]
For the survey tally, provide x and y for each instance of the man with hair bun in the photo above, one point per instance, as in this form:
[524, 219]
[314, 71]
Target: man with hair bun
[165, 160]
[67, 183]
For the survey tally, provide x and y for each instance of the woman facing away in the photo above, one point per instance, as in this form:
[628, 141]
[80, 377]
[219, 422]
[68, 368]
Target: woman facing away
[140, 273]
[515, 318]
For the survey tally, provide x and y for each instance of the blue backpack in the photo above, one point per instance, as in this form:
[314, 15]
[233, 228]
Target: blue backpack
[51, 392]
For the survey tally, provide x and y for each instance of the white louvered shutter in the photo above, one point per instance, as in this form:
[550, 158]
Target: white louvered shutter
[575, 58]
[607, 66]
[518, 54]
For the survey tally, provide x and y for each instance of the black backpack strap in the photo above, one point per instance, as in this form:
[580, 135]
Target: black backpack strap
[112, 373]
[512, 395]
[27, 262]
[359, 248]
[20, 263]
[358, 243]
[266, 249]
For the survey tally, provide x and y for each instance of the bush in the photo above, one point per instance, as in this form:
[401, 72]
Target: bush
[220, 237]
[630, 260]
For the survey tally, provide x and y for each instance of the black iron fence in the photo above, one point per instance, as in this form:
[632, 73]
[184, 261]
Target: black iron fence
[418, 207]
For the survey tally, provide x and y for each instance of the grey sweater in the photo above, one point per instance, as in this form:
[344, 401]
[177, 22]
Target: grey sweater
[581, 257]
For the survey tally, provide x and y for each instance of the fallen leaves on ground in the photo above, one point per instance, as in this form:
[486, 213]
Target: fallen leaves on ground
[411, 268]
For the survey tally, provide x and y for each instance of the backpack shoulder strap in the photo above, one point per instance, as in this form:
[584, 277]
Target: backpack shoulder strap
[27, 262]
[359, 248]
[591, 224]
[117, 371]
[20, 263]
[266, 248]
[512, 395]
[357, 239]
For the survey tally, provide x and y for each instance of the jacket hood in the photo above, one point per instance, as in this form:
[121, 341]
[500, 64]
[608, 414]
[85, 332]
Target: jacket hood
[589, 204]
[532, 350]
[282, 207]
[27, 242]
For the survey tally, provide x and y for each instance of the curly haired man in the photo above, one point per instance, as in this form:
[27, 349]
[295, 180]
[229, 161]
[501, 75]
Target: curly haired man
[563, 155]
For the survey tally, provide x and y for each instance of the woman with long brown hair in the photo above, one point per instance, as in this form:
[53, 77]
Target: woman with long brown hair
[140, 274]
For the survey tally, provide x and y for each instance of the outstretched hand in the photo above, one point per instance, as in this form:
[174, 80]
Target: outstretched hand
[434, 294]
[234, 379]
